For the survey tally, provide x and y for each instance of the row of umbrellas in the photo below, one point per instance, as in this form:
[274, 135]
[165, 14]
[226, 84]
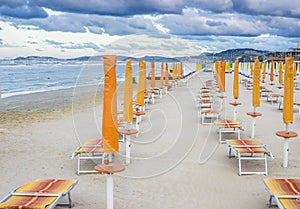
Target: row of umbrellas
[110, 118]
[289, 74]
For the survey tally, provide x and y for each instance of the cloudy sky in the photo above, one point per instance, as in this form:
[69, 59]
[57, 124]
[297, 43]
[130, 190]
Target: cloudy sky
[71, 28]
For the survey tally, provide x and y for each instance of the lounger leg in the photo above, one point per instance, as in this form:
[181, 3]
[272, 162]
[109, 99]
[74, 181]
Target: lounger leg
[266, 166]
[240, 164]
[270, 201]
[70, 201]
[78, 164]
[110, 191]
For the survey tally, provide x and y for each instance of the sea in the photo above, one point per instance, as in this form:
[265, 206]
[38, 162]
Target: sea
[27, 78]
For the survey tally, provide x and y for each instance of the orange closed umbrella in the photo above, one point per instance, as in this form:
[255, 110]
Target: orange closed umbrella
[256, 85]
[288, 98]
[141, 85]
[222, 76]
[162, 75]
[167, 74]
[152, 75]
[236, 80]
[272, 72]
[280, 77]
[127, 106]
[109, 119]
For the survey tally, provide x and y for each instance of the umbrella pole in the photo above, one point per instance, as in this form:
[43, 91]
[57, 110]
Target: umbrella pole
[286, 147]
[234, 111]
[128, 149]
[253, 125]
[110, 191]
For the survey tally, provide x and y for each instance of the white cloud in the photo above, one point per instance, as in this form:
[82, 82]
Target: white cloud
[34, 42]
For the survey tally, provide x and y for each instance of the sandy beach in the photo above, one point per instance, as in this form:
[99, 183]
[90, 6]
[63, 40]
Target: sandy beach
[177, 163]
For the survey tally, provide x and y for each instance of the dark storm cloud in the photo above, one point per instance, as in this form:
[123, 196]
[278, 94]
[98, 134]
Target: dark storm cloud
[21, 9]
[34, 8]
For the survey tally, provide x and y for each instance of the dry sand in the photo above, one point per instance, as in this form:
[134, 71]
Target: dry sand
[177, 162]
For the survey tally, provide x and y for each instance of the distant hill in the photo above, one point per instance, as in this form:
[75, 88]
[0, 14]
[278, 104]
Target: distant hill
[228, 55]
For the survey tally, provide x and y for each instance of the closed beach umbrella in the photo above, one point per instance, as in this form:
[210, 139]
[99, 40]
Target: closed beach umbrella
[236, 80]
[222, 76]
[288, 103]
[141, 85]
[264, 71]
[162, 75]
[152, 75]
[109, 119]
[280, 77]
[272, 72]
[167, 74]
[256, 85]
[127, 106]
[295, 69]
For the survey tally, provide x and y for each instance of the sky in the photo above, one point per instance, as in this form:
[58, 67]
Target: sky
[72, 28]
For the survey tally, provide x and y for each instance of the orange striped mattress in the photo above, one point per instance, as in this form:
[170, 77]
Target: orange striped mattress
[247, 146]
[283, 186]
[91, 146]
[290, 203]
[56, 187]
[27, 202]
[53, 186]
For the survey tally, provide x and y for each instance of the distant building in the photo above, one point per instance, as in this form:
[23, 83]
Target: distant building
[294, 52]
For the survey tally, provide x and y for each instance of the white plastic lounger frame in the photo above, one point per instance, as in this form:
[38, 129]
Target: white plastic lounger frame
[250, 156]
[84, 157]
[222, 130]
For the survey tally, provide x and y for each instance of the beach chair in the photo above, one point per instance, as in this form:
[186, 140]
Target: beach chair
[228, 126]
[40, 194]
[206, 102]
[274, 98]
[209, 115]
[286, 191]
[89, 150]
[287, 202]
[247, 149]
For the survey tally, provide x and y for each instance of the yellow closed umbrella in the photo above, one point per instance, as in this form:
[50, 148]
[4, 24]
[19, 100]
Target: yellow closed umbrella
[236, 80]
[264, 71]
[255, 95]
[127, 106]
[295, 69]
[288, 108]
[109, 119]
[256, 85]
[152, 75]
[288, 98]
[141, 85]
[280, 77]
[167, 75]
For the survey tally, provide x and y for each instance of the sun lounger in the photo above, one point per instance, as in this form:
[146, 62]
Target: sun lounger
[287, 202]
[89, 150]
[285, 190]
[209, 114]
[228, 126]
[205, 102]
[274, 98]
[39, 194]
[249, 150]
